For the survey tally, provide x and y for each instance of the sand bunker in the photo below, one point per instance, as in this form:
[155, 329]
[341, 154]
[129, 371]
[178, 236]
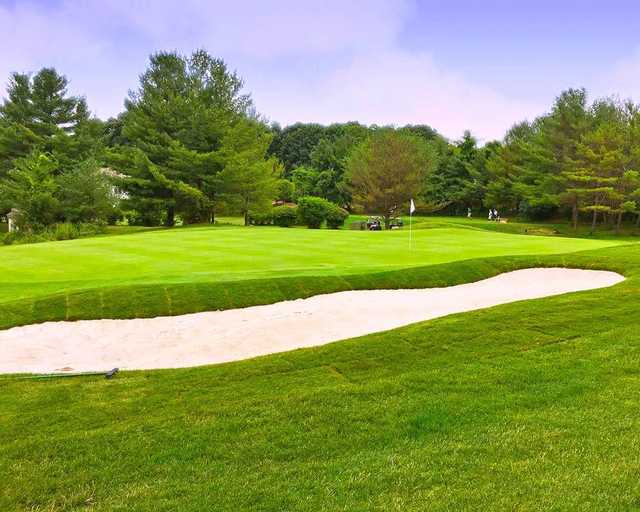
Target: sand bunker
[220, 336]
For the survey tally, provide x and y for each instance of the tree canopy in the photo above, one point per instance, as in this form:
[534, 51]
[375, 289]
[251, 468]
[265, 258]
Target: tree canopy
[581, 157]
[190, 143]
[387, 170]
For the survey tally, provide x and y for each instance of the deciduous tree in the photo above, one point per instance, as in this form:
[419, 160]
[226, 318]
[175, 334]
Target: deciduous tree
[387, 170]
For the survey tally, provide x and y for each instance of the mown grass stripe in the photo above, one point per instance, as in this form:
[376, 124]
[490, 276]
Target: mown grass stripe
[148, 300]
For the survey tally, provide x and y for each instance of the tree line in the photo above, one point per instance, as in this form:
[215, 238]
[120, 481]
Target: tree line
[190, 145]
[581, 159]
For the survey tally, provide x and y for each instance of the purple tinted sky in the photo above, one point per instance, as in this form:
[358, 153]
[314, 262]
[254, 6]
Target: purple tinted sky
[481, 65]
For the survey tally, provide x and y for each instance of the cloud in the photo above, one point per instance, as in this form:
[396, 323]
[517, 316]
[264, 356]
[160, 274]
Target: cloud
[323, 61]
[263, 29]
[623, 79]
[399, 87]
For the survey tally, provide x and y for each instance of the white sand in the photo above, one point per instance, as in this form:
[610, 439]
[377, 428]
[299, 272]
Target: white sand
[220, 336]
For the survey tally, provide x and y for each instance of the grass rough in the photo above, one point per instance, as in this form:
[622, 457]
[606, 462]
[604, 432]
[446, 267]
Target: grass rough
[527, 406]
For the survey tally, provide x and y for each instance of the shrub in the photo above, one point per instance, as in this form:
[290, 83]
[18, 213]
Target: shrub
[260, 218]
[62, 231]
[285, 190]
[9, 238]
[312, 211]
[285, 216]
[336, 216]
[145, 212]
[65, 231]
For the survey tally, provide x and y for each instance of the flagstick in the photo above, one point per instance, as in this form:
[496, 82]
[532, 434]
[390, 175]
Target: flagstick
[412, 208]
[410, 237]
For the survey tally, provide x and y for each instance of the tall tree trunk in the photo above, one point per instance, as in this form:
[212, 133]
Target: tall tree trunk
[619, 222]
[574, 215]
[638, 221]
[593, 221]
[171, 216]
[387, 221]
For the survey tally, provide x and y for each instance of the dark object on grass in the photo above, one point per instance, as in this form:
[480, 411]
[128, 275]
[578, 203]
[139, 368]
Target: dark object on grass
[111, 373]
[374, 224]
[396, 223]
[108, 375]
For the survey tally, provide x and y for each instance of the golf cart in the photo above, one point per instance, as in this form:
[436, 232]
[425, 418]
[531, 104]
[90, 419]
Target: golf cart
[396, 223]
[374, 224]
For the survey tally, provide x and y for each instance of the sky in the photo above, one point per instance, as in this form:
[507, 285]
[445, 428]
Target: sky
[452, 64]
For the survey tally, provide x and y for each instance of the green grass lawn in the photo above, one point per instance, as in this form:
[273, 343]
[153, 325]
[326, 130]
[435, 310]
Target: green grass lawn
[199, 268]
[526, 406]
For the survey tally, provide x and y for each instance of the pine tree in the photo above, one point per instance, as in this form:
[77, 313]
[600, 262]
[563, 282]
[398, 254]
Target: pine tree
[600, 166]
[249, 180]
[39, 114]
[31, 188]
[174, 126]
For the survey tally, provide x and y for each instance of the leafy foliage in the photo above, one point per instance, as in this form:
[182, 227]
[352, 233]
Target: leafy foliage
[43, 196]
[60, 231]
[285, 216]
[86, 194]
[173, 131]
[387, 170]
[312, 211]
[248, 182]
[336, 216]
[579, 157]
[31, 188]
[39, 114]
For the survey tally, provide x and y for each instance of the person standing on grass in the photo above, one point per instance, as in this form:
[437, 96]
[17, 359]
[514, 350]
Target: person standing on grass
[468, 213]
[490, 214]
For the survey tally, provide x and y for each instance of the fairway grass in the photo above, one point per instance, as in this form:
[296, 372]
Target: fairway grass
[526, 406]
[178, 271]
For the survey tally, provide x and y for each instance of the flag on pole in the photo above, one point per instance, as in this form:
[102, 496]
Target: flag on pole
[412, 208]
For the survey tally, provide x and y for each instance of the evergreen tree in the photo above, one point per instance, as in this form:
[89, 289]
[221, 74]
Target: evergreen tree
[175, 122]
[249, 180]
[601, 163]
[31, 188]
[86, 194]
[38, 113]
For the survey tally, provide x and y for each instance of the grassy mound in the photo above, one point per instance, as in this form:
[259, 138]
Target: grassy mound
[529, 405]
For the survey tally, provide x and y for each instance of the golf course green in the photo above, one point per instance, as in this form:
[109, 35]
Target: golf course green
[182, 270]
[525, 406]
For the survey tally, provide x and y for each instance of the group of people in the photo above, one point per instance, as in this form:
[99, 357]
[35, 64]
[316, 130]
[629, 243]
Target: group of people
[493, 214]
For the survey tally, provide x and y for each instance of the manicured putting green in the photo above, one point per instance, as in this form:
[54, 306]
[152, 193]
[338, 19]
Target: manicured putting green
[231, 254]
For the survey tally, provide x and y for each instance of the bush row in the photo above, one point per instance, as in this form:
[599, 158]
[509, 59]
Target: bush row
[310, 211]
[313, 211]
[62, 231]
